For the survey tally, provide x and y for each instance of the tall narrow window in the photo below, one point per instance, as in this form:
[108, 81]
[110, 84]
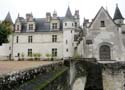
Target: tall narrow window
[66, 41]
[29, 52]
[17, 27]
[75, 24]
[54, 38]
[30, 26]
[29, 39]
[65, 24]
[102, 23]
[17, 39]
[54, 52]
[54, 25]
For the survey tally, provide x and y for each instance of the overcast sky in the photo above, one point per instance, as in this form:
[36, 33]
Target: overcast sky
[87, 8]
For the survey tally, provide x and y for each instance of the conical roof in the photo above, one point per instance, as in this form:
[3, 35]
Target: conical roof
[68, 13]
[117, 14]
[8, 18]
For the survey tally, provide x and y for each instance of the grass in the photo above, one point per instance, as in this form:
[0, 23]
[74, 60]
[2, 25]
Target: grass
[58, 74]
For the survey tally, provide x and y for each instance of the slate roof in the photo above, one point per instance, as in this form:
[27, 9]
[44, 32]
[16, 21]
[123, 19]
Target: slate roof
[68, 14]
[117, 14]
[8, 18]
[41, 24]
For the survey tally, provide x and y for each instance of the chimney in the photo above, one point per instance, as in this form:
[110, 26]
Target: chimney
[76, 14]
[48, 16]
[29, 16]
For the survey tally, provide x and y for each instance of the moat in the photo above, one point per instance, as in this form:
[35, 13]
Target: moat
[78, 74]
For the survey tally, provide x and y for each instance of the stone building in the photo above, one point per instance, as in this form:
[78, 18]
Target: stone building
[105, 36]
[50, 36]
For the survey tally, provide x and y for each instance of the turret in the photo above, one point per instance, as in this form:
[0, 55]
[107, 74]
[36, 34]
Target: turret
[118, 18]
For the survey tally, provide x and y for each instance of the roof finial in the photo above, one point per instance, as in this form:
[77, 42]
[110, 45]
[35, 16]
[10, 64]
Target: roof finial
[116, 4]
[18, 15]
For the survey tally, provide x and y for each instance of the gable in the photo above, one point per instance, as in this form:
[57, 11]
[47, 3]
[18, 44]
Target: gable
[102, 16]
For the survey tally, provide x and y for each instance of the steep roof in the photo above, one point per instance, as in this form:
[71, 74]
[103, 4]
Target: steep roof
[68, 13]
[102, 8]
[117, 14]
[8, 18]
[41, 24]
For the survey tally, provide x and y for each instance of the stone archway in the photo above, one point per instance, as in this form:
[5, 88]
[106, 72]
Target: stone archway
[105, 52]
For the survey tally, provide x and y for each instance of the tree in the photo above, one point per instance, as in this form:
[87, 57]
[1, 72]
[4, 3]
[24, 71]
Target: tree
[5, 31]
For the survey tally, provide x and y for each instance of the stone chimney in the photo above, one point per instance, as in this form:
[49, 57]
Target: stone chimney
[48, 16]
[29, 17]
[76, 15]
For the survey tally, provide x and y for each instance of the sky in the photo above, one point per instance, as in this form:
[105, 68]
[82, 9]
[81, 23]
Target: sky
[87, 8]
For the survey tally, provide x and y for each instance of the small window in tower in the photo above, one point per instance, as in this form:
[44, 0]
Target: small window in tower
[75, 24]
[66, 41]
[65, 24]
[72, 24]
[17, 39]
[67, 50]
[102, 23]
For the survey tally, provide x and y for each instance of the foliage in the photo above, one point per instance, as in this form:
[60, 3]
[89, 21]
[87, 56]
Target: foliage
[37, 56]
[76, 56]
[5, 31]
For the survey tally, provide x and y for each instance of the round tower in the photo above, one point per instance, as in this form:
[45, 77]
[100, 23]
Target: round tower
[68, 34]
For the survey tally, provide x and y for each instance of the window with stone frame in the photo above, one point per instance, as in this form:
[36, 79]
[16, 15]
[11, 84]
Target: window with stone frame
[17, 39]
[102, 23]
[54, 25]
[30, 26]
[54, 52]
[54, 38]
[29, 52]
[30, 39]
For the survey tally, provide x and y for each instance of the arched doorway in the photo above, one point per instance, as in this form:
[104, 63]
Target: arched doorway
[105, 52]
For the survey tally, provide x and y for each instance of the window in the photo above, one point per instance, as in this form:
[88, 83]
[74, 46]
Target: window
[66, 41]
[54, 25]
[67, 50]
[105, 52]
[65, 24]
[30, 26]
[75, 24]
[102, 24]
[17, 27]
[54, 52]
[17, 39]
[71, 31]
[54, 38]
[72, 24]
[29, 52]
[29, 39]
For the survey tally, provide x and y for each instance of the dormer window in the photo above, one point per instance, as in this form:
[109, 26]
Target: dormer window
[54, 25]
[102, 23]
[30, 26]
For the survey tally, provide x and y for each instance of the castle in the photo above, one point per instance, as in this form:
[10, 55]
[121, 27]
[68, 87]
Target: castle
[63, 37]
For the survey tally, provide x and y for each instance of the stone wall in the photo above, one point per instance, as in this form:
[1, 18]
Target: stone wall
[13, 81]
